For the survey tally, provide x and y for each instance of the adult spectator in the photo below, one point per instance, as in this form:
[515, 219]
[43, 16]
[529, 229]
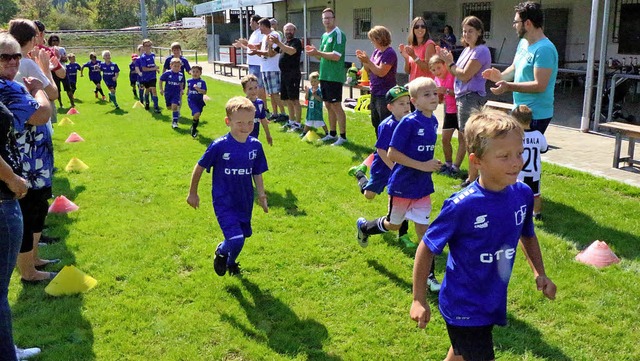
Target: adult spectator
[254, 61]
[448, 39]
[382, 68]
[419, 49]
[61, 53]
[532, 75]
[274, 27]
[469, 87]
[332, 74]
[290, 75]
[269, 67]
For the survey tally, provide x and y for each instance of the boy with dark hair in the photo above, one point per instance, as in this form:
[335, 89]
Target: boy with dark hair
[482, 225]
[236, 159]
[173, 91]
[72, 77]
[94, 73]
[149, 79]
[196, 89]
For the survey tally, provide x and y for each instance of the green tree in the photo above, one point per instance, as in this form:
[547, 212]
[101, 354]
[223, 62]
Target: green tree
[116, 14]
[182, 11]
[8, 10]
[34, 9]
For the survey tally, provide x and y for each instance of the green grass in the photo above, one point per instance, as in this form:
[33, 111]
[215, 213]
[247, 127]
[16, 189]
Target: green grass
[309, 292]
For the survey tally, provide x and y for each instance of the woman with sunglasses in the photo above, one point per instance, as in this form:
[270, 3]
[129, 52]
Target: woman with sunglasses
[419, 49]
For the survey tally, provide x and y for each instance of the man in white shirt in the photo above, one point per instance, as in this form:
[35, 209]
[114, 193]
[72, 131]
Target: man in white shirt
[270, 66]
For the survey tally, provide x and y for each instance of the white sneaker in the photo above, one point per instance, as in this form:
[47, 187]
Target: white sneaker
[434, 285]
[340, 141]
[174, 125]
[25, 353]
[328, 137]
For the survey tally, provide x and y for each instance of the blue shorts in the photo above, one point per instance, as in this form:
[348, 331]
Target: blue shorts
[172, 99]
[196, 107]
[111, 85]
[255, 70]
[376, 184]
[232, 227]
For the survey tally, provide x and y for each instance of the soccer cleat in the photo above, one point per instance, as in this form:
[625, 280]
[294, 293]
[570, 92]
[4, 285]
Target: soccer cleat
[157, 110]
[406, 240]
[220, 262]
[363, 239]
[445, 169]
[432, 282]
[453, 172]
[328, 138]
[146, 106]
[234, 269]
[340, 141]
[194, 132]
[465, 184]
[174, 124]
[354, 170]
[104, 99]
[25, 353]
[537, 216]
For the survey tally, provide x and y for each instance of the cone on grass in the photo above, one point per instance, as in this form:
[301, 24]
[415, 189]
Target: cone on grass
[72, 111]
[311, 137]
[598, 254]
[75, 165]
[65, 121]
[137, 104]
[69, 281]
[62, 205]
[368, 161]
[74, 137]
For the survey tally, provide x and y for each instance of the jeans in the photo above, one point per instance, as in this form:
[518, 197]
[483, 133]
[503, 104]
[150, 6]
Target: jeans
[10, 240]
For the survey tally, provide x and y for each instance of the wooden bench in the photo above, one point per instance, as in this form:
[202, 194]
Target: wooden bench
[632, 132]
[223, 68]
[242, 68]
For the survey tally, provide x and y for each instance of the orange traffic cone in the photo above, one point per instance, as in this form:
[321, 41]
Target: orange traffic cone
[72, 111]
[74, 137]
[62, 205]
[598, 254]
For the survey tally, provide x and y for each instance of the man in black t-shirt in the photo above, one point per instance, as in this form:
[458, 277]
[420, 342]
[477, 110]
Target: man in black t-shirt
[290, 73]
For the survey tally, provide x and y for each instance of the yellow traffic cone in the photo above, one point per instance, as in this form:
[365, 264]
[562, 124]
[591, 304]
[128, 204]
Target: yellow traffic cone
[70, 281]
[75, 165]
[311, 137]
[65, 121]
[137, 104]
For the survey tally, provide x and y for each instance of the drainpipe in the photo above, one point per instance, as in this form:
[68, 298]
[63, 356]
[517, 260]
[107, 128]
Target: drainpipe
[588, 84]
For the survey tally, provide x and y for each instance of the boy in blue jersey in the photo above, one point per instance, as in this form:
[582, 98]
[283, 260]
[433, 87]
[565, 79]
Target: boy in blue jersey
[133, 76]
[174, 89]
[72, 76]
[149, 68]
[411, 148]
[94, 73]
[176, 49]
[236, 159]
[110, 72]
[482, 225]
[196, 89]
[250, 86]
[138, 68]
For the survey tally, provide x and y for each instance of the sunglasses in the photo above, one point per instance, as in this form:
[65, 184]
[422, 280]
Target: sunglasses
[9, 57]
[419, 26]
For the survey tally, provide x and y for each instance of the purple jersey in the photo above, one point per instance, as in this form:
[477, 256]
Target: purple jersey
[193, 97]
[72, 72]
[94, 70]
[379, 169]
[109, 72]
[174, 83]
[148, 61]
[261, 113]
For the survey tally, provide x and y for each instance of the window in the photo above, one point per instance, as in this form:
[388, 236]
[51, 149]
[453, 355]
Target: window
[625, 24]
[361, 23]
[315, 27]
[481, 10]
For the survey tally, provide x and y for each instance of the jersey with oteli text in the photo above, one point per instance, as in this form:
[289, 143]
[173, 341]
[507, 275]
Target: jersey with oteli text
[94, 70]
[109, 71]
[72, 72]
[148, 61]
[192, 94]
[174, 82]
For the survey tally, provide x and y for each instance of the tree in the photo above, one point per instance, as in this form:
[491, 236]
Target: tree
[182, 11]
[116, 14]
[7, 11]
[35, 9]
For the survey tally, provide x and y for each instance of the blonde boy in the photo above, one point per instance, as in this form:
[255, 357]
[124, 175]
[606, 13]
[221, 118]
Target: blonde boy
[315, 118]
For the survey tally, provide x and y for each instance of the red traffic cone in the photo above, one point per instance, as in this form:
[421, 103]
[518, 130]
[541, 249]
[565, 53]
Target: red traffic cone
[72, 111]
[369, 160]
[62, 205]
[598, 254]
[74, 137]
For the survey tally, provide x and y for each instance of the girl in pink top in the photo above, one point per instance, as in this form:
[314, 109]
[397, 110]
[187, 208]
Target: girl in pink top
[419, 49]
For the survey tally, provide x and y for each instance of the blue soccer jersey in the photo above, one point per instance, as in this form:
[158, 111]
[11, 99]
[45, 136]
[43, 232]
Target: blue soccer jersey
[94, 70]
[174, 82]
[261, 113]
[379, 169]
[72, 72]
[415, 136]
[138, 64]
[195, 99]
[148, 61]
[234, 165]
[482, 229]
[184, 67]
[109, 71]
[133, 76]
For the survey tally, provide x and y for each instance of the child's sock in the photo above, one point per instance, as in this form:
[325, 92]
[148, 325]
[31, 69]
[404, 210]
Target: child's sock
[141, 94]
[112, 98]
[404, 228]
[146, 98]
[449, 163]
[155, 101]
[362, 180]
[233, 246]
[343, 135]
[375, 226]
[135, 93]
[176, 115]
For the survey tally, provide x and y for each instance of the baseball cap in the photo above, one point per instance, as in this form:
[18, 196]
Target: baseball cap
[396, 92]
[134, 56]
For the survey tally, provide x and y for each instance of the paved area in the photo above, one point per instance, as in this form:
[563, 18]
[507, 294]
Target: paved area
[571, 148]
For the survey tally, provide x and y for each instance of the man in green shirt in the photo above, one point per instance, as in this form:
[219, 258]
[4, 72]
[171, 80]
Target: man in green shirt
[332, 74]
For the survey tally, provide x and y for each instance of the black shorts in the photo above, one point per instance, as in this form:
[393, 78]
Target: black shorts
[133, 82]
[290, 85]
[472, 343]
[450, 121]
[34, 206]
[64, 81]
[331, 91]
[149, 83]
[534, 185]
[97, 82]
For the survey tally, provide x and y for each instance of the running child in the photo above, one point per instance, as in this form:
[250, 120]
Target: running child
[250, 87]
[173, 91]
[110, 72]
[236, 159]
[133, 76]
[72, 77]
[314, 118]
[445, 80]
[94, 74]
[482, 225]
[149, 79]
[196, 89]
[412, 148]
[534, 144]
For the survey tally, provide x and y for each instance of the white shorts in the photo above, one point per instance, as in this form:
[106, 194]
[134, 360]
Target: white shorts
[314, 123]
[416, 210]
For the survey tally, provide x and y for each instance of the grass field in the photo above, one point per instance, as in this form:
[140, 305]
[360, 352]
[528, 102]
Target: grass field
[308, 291]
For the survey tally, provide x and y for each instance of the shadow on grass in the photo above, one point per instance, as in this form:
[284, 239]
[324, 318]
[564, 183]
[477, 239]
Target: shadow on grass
[579, 227]
[288, 202]
[399, 281]
[520, 338]
[276, 325]
[360, 152]
[55, 324]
